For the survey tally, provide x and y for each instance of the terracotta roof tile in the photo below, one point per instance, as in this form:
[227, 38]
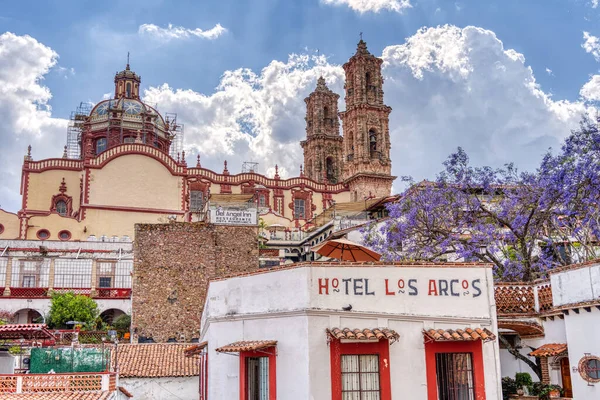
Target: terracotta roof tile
[363, 334]
[91, 395]
[250, 345]
[16, 331]
[461, 335]
[195, 349]
[549, 349]
[151, 360]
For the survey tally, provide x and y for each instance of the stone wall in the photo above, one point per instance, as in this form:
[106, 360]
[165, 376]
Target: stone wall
[172, 265]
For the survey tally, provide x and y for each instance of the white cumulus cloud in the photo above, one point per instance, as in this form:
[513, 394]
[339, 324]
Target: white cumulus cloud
[363, 6]
[591, 45]
[25, 112]
[591, 90]
[178, 32]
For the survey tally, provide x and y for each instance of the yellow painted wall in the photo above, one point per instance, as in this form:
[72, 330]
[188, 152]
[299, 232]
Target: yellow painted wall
[11, 225]
[97, 223]
[44, 185]
[135, 181]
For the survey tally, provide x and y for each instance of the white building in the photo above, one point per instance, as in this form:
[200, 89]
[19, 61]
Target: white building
[31, 270]
[352, 330]
[560, 318]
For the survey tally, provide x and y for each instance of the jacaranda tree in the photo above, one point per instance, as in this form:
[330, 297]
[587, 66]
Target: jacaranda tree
[522, 222]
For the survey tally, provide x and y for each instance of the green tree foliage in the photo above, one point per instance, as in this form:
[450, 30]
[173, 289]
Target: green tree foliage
[122, 322]
[68, 306]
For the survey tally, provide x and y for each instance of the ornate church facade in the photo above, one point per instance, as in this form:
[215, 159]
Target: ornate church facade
[123, 168]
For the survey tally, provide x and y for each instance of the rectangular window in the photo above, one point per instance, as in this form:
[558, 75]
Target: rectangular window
[262, 201]
[257, 378]
[360, 377]
[299, 209]
[196, 203]
[100, 145]
[454, 376]
[105, 282]
[28, 281]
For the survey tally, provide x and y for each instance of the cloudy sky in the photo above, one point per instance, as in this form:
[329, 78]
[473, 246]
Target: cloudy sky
[505, 79]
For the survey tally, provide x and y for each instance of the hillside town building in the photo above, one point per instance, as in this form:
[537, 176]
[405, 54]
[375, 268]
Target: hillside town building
[351, 330]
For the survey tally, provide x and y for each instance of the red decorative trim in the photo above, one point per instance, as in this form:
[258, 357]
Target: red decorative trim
[60, 234]
[1, 229]
[40, 232]
[37, 249]
[135, 209]
[474, 347]
[62, 197]
[116, 153]
[269, 352]
[381, 348]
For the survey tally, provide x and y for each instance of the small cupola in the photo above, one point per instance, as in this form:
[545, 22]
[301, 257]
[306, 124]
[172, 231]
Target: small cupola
[127, 83]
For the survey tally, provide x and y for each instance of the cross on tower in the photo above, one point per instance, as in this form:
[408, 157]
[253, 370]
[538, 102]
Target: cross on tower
[360, 39]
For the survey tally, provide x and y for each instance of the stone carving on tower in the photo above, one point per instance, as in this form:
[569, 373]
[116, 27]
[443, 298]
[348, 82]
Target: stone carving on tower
[323, 147]
[367, 164]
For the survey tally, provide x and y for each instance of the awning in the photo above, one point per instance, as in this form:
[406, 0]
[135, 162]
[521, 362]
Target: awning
[363, 334]
[549, 350]
[25, 331]
[459, 335]
[251, 345]
[195, 349]
[525, 329]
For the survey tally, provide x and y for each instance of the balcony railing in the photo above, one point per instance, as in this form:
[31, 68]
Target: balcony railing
[525, 299]
[53, 383]
[98, 293]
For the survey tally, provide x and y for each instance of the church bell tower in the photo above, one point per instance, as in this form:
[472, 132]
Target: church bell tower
[367, 164]
[323, 147]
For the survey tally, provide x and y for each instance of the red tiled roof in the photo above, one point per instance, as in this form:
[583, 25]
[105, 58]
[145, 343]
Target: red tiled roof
[363, 334]
[91, 395]
[549, 349]
[525, 329]
[153, 360]
[250, 345]
[26, 331]
[195, 349]
[461, 335]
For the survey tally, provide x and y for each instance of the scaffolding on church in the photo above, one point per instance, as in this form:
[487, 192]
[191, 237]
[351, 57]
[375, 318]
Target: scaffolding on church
[176, 132]
[75, 129]
[249, 166]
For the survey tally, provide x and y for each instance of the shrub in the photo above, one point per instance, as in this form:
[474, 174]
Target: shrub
[509, 386]
[122, 322]
[68, 306]
[523, 379]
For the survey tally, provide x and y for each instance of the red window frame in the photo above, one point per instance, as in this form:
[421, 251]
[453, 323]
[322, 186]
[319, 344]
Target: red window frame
[272, 355]
[381, 348]
[474, 347]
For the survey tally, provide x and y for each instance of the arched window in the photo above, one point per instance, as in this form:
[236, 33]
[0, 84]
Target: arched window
[350, 146]
[128, 89]
[367, 80]
[325, 114]
[330, 170]
[100, 145]
[61, 208]
[373, 143]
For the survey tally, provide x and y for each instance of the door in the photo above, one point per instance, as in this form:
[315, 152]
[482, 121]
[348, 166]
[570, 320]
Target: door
[565, 373]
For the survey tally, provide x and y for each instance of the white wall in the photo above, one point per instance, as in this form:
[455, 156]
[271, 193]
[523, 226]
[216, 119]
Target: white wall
[286, 306]
[174, 388]
[576, 285]
[582, 337]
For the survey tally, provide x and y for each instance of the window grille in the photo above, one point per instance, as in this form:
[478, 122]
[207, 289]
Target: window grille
[33, 273]
[262, 201]
[454, 376]
[196, 201]
[299, 209]
[72, 273]
[360, 377]
[257, 378]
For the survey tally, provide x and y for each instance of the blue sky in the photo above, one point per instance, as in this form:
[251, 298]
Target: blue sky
[244, 76]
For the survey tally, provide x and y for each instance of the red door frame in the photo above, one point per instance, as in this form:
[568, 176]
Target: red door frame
[269, 352]
[381, 348]
[474, 347]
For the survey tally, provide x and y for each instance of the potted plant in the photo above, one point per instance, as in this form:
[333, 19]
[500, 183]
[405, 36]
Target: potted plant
[523, 382]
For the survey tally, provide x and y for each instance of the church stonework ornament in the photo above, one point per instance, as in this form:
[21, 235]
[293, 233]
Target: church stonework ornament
[61, 203]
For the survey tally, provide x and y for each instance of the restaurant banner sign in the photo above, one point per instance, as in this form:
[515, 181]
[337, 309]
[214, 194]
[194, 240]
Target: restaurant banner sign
[224, 216]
